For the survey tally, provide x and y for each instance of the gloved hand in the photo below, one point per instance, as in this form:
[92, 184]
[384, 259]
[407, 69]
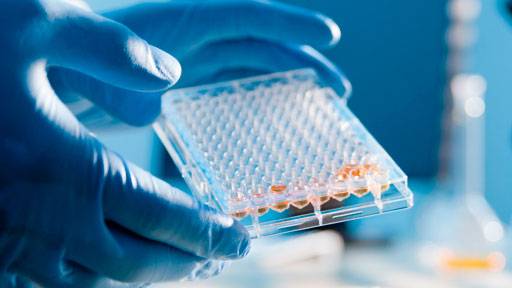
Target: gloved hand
[73, 213]
[214, 41]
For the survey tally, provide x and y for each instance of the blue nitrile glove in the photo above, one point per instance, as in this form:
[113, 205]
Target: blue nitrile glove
[73, 213]
[213, 40]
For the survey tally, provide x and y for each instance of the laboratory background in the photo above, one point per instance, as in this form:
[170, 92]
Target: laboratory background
[431, 82]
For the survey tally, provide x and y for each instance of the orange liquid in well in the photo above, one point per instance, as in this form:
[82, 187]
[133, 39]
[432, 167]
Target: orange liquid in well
[341, 175]
[324, 198]
[301, 203]
[359, 172]
[240, 214]
[352, 170]
[347, 168]
[356, 170]
[320, 187]
[384, 187]
[257, 195]
[259, 198]
[371, 168]
[298, 186]
[262, 210]
[341, 195]
[281, 206]
[360, 192]
[278, 188]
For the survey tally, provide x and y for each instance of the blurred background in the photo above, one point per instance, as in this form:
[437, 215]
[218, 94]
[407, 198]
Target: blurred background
[431, 81]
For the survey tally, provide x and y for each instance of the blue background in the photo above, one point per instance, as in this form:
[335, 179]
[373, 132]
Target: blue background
[394, 54]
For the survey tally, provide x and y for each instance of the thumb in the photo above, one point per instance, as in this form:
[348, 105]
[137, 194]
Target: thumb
[106, 50]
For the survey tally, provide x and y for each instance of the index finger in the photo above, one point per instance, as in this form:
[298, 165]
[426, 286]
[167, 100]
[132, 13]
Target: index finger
[104, 49]
[153, 209]
[210, 21]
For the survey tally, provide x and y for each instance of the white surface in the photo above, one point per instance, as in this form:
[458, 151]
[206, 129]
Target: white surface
[394, 266]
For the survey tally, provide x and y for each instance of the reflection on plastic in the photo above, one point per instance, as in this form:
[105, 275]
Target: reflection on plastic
[265, 147]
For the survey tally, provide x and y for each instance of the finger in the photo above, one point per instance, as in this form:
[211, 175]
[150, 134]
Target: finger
[66, 274]
[259, 55]
[155, 210]
[138, 260]
[39, 255]
[106, 250]
[110, 252]
[106, 50]
[15, 281]
[46, 267]
[132, 107]
[216, 20]
[129, 195]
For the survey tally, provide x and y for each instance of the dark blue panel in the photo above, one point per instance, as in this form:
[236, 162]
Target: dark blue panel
[393, 52]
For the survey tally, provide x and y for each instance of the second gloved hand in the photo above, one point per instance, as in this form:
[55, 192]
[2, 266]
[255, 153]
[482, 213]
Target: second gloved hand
[72, 212]
[214, 41]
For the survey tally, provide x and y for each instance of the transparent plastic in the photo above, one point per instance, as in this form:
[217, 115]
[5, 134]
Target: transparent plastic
[279, 153]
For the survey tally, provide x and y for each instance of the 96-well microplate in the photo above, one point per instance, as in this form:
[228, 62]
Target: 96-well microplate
[279, 153]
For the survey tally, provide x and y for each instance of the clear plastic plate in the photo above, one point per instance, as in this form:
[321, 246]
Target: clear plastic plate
[280, 152]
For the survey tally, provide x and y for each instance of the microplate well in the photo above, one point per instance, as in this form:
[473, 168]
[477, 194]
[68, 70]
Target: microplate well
[280, 152]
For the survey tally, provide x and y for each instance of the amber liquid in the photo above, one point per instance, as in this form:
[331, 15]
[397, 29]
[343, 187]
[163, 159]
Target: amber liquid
[301, 203]
[324, 198]
[240, 214]
[384, 187]
[281, 206]
[278, 188]
[341, 175]
[349, 169]
[257, 195]
[360, 192]
[371, 167]
[262, 210]
[341, 195]
[356, 170]
[359, 172]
